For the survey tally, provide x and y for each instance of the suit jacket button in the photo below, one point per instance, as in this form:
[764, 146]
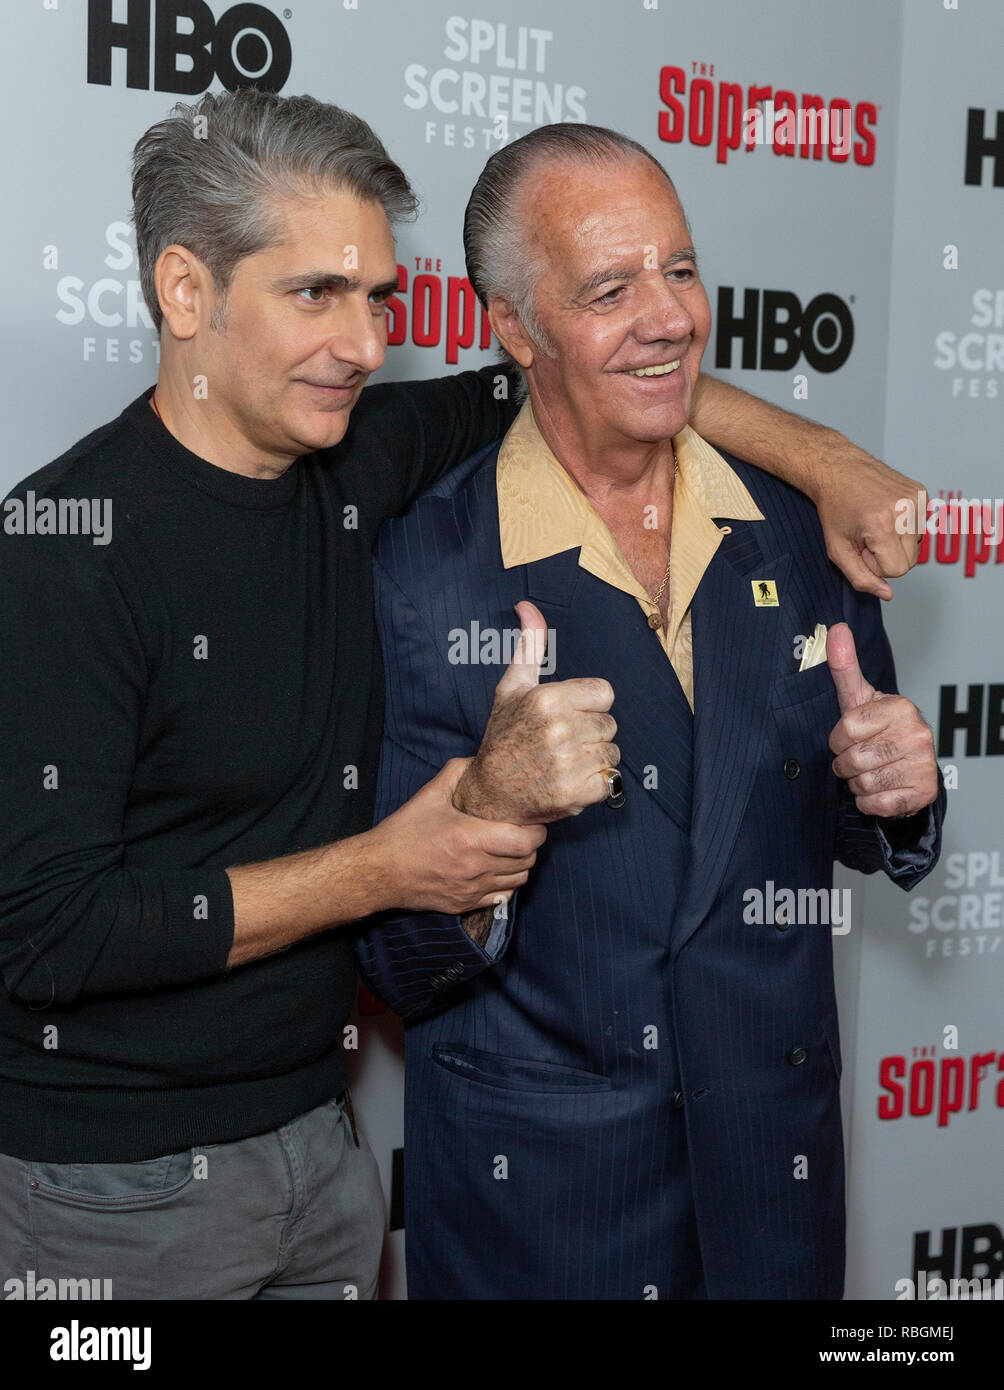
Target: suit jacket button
[791, 768]
[798, 1056]
[677, 1100]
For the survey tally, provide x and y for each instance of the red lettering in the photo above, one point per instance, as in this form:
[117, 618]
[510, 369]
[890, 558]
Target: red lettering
[979, 543]
[786, 129]
[730, 118]
[890, 1067]
[953, 1087]
[459, 292]
[671, 80]
[866, 115]
[948, 546]
[810, 135]
[922, 1078]
[840, 130]
[398, 326]
[795, 126]
[427, 311]
[976, 1066]
[754, 96]
[702, 112]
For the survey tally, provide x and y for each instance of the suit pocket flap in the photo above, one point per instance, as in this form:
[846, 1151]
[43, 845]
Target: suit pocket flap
[515, 1073]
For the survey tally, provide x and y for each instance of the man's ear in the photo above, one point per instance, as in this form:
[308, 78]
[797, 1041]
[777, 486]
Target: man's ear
[508, 328]
[185, 290]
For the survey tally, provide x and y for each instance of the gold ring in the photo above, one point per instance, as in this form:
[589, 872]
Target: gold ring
[615, 787]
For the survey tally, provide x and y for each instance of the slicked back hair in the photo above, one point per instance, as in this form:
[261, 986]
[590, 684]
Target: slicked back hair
[499, 261]
[207, 177]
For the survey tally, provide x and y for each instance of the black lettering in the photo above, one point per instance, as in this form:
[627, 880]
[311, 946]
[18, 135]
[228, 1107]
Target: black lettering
[744, 328]
[950, 719]
[103, 34]
[785, 330]
[927, 1263]
[981, 146]
[982, 1253]
[995, 721]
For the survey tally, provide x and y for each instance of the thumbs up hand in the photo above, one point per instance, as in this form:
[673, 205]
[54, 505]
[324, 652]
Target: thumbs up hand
[884, 750]
[544, 745]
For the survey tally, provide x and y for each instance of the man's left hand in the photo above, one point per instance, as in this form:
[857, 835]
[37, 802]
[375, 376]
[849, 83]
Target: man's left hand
[860, 502]
[884, 749]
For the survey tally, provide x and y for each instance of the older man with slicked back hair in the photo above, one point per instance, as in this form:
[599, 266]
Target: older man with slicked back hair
[628, 1088]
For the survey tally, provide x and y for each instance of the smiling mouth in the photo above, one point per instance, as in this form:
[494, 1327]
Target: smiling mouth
[661, 369]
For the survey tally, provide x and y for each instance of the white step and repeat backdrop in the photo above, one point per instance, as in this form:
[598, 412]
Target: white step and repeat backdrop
[862, 284]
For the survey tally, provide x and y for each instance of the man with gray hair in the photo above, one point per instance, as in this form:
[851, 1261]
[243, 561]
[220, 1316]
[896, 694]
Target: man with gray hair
[190, 730]
[629, 1087]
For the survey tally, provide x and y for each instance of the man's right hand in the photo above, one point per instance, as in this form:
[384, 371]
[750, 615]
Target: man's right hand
[434, 858]
[544, 745]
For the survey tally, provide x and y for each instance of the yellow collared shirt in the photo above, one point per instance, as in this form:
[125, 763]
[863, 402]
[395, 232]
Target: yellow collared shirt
[543, 511]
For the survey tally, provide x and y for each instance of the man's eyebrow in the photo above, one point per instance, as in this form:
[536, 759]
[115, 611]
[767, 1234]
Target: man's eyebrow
[324, 279]
[328, 280]
[623, 272]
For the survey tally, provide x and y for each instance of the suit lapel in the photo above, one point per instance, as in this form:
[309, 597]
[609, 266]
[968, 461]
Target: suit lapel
[736, 647]
[601, 631]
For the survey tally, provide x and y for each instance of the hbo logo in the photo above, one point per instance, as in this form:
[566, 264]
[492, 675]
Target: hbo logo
[774, 325]
[246, 47]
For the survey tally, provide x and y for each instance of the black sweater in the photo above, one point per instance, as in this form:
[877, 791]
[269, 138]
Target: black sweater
[205, 690]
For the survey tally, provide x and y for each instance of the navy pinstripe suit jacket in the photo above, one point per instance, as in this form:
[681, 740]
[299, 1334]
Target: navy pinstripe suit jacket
[614, 1101]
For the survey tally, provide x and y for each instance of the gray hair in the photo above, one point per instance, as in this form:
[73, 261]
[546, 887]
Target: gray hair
[498, 260]
[213, 195]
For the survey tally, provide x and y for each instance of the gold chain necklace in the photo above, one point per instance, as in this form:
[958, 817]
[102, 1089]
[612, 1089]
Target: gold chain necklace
[655, 619]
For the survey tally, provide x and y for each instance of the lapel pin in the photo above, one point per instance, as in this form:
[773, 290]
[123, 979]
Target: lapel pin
[764, 593]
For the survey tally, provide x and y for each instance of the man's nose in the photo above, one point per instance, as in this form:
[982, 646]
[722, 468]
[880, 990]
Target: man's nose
[360, 336]
[664, 313]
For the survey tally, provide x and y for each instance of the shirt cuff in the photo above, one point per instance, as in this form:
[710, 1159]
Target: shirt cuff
[907, 845]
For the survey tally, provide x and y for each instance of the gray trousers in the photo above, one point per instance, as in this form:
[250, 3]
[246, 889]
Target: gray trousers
[294, 1213]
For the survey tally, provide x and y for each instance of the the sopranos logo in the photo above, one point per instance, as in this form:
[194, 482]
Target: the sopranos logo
[247, 46]
[963, 531]
[433, 308]
[946, 1085]
[703, 110]
[775, 330]
[495, 85]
